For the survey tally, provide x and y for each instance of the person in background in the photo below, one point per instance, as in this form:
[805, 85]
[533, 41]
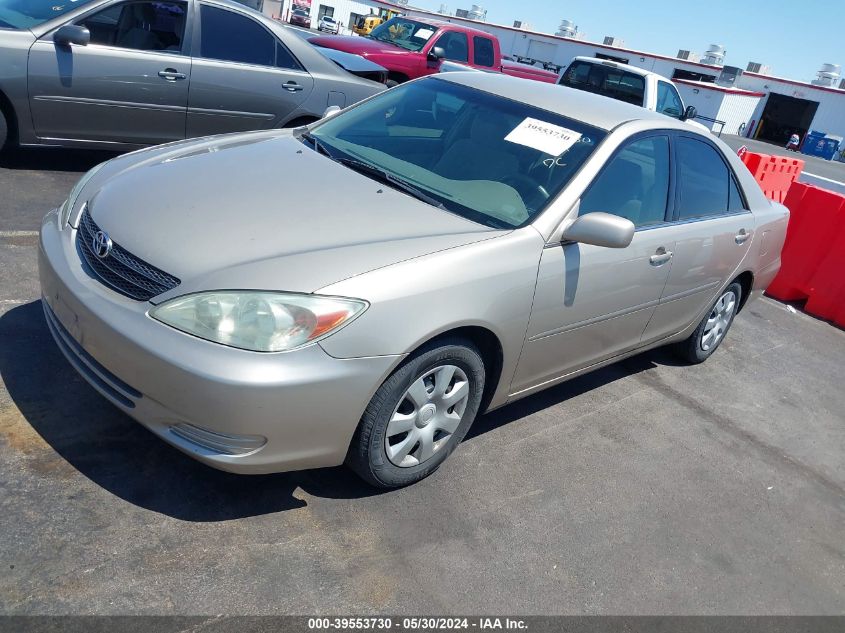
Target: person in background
[794, 142]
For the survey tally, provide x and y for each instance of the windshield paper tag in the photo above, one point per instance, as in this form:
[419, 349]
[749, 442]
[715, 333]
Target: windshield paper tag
[542, 136]
[424, 34]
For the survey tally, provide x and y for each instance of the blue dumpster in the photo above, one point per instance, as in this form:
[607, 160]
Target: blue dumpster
[821, 145]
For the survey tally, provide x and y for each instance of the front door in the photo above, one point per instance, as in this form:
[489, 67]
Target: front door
[713, 230]
[591, 302]
[129, 85]
[243, 78]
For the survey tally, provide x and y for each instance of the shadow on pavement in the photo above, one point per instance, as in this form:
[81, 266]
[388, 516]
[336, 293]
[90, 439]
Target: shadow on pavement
[52, 159]
[119, 455]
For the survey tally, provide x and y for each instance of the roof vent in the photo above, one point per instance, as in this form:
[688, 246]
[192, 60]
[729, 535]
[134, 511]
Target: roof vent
[715, 55]
[760, 69]
[828, 75]
[688, 55]
[567, 28]
[477, 13]
[613, 41]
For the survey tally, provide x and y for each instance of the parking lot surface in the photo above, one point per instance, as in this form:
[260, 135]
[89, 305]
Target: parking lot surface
[648, 487]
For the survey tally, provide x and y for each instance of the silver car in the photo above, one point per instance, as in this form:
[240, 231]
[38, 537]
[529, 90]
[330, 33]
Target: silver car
[122, 74]
[361, 289]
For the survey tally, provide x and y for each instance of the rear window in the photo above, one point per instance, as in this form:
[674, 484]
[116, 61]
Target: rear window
[484, 54]
[602, 79]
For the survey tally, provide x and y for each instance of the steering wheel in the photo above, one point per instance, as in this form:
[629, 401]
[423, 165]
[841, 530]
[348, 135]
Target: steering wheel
[528, 188]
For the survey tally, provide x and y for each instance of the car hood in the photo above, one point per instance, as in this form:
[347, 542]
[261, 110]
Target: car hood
[263, 211]
[364, 46]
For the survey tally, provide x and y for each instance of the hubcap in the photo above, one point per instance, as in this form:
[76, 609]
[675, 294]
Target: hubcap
[718, 321]
[427, 416]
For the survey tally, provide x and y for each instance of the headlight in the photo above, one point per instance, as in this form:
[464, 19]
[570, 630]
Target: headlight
[67, 207]
[258, 321]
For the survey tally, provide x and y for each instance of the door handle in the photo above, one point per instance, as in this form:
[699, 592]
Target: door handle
[291, 86]
[740, 237]
[660, 257]
[171, 74]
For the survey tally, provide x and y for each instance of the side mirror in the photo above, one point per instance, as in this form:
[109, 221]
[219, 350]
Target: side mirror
[72, 34]
[331, 111]
[600, 229]
[436, 54]
[689, 113]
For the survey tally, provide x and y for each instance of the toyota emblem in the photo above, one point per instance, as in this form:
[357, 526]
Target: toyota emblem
[101, 244]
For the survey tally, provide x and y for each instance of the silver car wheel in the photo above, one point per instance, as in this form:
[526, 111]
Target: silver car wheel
[718, 321]
[427, 416]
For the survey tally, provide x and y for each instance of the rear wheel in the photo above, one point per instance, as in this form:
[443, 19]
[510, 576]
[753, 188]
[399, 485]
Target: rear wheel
[419, 415]
[713, 327]
[4, 131]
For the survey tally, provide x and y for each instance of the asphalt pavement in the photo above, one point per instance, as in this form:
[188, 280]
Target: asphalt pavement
[648, 487]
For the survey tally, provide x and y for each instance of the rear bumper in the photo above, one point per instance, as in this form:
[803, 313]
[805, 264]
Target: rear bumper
[235, 410]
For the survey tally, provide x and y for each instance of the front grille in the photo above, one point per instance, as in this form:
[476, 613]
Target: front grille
[120, 270]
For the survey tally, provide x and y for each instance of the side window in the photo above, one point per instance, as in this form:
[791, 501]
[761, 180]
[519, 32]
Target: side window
[231, 37]
[668, 100]
[483, 54]
[456, 46]
[634, 184]
[735, 200]
[144, 26]
[703, 180]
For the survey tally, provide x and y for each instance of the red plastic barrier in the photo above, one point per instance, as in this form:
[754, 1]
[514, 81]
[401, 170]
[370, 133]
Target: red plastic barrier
[813, 257]
[775, 174]
[827, 287]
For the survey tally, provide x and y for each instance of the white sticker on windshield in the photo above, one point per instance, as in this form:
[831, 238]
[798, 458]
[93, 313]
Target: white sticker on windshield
[545, 137]
[424, 34]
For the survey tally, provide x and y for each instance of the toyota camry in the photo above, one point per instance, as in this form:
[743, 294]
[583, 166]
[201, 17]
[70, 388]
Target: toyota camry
[359, 290]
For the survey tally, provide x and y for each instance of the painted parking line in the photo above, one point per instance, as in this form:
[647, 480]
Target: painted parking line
[18, 233]
[835, 182]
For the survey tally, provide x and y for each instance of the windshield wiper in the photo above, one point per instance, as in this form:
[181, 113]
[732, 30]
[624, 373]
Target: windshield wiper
[390, 179]
[318, 146]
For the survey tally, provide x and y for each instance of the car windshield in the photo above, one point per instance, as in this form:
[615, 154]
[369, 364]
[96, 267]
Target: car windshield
[25, 14]
[478, 155]
[404, 33]
[609, 81]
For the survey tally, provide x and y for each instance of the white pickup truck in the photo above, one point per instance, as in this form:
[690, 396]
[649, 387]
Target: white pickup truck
[629, 84]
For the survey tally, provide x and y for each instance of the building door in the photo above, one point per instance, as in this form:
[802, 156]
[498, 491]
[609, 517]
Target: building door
[783, 116]
[325, 10]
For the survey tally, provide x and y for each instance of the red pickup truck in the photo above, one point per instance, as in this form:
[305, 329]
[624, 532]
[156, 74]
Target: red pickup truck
[413, 47]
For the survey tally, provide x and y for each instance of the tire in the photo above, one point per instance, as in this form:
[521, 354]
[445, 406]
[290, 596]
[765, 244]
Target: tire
[4, 131]
[701, 344]
[436, 423]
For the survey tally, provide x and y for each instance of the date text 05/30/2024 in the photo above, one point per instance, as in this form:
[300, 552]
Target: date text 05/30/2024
[415, 624]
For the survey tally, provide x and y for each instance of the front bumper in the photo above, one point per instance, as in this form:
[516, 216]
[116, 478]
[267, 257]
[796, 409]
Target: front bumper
[281, 411]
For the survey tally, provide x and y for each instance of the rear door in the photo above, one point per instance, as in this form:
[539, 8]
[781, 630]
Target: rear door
[129, 85]
[243, 77]
[712, 230]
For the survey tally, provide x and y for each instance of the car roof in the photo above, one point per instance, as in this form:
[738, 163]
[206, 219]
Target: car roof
[592, 109]
[609, 62]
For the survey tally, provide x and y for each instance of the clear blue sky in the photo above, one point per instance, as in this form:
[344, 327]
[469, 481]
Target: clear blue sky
[773, 32]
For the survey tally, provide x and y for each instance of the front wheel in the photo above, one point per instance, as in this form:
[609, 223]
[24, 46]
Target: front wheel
[418, 415]
[713, 327]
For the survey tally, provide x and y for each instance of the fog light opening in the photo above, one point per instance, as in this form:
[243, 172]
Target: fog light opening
[220, 443]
